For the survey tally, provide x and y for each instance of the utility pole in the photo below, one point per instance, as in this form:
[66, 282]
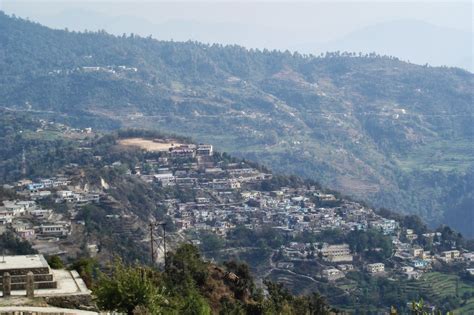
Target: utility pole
[163, 227]
[152, 247]
[152, 226]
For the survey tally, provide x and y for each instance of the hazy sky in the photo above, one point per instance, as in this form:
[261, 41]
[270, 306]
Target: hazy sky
[327, 18]
[304, 26]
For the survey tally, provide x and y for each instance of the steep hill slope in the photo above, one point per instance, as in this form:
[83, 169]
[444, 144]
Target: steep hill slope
[396, 134]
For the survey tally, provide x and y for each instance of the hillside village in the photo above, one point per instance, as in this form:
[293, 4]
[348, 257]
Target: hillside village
[222, 195]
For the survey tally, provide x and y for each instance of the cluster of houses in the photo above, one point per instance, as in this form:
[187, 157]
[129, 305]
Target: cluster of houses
[115, 70]
[409, 260]
[226, 194]
[29, 221]
[58, 188]
[230, 195]
[43, 227]
[63, 129]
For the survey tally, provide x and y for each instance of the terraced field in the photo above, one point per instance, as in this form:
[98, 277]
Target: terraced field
[438, 286]
[290, 280]
[305, 285]
[433, 287]
[468, 308]
[432, 284]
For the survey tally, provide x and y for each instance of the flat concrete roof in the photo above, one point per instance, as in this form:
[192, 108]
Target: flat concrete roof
[69, 283]
[22, 262]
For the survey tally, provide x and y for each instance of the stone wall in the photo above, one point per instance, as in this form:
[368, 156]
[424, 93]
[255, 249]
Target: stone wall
[23, 272]
[22, 278]
[81, 302]
[38, 285]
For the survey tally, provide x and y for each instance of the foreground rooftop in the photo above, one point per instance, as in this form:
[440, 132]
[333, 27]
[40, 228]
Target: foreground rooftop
[18, 262]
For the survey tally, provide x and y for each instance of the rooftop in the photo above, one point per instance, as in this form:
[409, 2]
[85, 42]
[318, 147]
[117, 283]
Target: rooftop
[22, 262]
[68, 283]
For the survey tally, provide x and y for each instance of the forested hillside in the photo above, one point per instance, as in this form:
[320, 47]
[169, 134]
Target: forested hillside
[396, 134]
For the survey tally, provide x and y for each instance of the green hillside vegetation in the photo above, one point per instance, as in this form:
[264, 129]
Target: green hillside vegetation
[393, 133]
[190, 285]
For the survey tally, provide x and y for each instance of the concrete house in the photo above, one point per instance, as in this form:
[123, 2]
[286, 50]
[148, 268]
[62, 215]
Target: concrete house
[375, 268]
[204, 150]
[337, 253]
[332, 274]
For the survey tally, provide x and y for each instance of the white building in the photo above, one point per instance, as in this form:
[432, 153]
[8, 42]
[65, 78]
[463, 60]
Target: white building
[332, 274]
[58, 229]
[14, 207]
[43, 214]
[225, 184]
[166, 179]
[337, 253]
[183, 152]
[65, 195]
[375, 268]
[450, 255]
[204, 149]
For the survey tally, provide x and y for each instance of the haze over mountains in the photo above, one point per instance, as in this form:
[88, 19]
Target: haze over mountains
[412, 40]
[405, 36]
[396, 134]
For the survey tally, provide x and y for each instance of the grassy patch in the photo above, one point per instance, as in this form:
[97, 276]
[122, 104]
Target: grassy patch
[456, 155]
[46, 135]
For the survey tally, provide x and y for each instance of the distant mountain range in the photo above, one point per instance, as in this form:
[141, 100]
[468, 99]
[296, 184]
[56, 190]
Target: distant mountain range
[416, 41]
[396, 134]
[413, 40]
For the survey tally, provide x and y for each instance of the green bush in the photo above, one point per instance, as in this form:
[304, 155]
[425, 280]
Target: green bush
[55, 262]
